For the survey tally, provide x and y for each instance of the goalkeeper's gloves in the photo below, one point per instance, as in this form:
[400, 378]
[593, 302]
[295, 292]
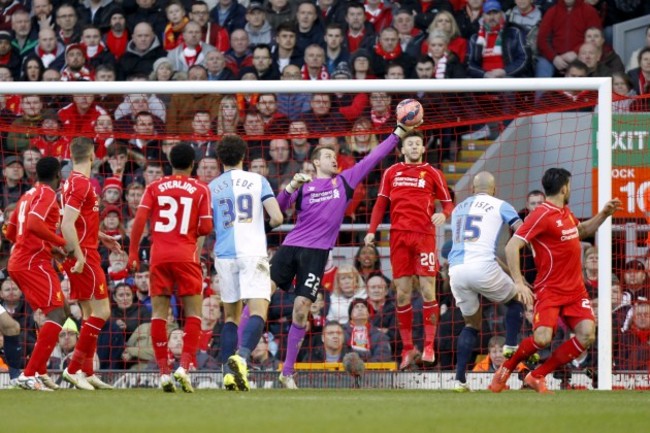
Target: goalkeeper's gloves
[298, 180]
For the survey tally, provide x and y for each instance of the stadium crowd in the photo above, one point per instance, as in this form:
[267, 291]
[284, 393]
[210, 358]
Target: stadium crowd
[106, 40]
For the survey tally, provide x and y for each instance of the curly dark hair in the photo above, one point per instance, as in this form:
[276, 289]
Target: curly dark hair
[231, 150]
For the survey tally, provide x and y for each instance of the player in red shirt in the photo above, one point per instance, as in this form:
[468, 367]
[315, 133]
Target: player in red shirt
[80, 229]
[554, 234]
[412, 188]
[32, 228]
[179, 212]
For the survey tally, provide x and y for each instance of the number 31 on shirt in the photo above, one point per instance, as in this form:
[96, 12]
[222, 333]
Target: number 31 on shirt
[169, 211]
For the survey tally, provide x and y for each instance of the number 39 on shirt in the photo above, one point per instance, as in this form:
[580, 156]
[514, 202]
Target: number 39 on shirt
[241, 209]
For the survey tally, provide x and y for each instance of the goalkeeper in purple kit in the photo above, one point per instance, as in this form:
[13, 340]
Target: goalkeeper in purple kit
[320, 208]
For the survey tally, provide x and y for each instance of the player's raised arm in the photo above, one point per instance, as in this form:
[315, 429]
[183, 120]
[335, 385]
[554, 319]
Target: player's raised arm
[588, 228]
[288, 195]
[360, 170]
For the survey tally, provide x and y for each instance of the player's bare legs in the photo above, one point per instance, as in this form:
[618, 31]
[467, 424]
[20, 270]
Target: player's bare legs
[246, 314]
[404, 287]
[48, 336]
[251, 333]
[297, 331]
[430, 317]
[192, 305]
[585, 335]
[430, 314]
[160, 307]
[95, 314]
[230, 335]
[465, 346]
[10, 329]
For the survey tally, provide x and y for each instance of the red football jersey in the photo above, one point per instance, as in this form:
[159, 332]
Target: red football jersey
[552, 233]
[79, 194]
[177, 203]
[413, 190]
[30, 249]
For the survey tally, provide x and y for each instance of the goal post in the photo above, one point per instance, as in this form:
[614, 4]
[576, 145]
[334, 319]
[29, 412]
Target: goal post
[603, 87]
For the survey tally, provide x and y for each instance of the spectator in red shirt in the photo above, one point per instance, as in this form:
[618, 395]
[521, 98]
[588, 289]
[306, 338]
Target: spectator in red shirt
[641, 76]
[78, 117]
[239, 55]
[50, 142]
[561, 33]
[67, 19]
[212, 33]
[389, 49]
[274, 123]
[378, 14]
[410, 38]
[177, 19]
[497, 50]
[75, 65]
[95, 51]
[446, 23]
[360, 34]
[117, 38]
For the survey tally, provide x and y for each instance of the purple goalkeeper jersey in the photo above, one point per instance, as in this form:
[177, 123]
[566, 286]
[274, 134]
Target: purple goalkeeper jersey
[321, 203]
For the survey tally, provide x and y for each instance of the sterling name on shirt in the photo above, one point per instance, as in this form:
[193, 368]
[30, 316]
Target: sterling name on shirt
[180, 184]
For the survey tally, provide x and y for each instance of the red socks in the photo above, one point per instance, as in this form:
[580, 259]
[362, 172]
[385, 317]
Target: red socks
[405, 325]
[204, 339]
[84, 352]
[526, 348]
[430, 317]
[48, 336]
[567, 352]
[159, 340]
[191, 334]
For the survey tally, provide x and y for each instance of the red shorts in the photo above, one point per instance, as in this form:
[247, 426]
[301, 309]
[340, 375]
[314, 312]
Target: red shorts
[413, 253]
[185, 278]
[572, 310]
[41, 287]
[89, 284]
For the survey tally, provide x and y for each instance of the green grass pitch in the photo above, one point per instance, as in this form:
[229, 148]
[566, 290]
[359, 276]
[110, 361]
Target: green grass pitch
[340, 411]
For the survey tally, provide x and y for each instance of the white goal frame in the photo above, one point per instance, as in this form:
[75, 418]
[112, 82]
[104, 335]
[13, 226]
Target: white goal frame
[602, 85]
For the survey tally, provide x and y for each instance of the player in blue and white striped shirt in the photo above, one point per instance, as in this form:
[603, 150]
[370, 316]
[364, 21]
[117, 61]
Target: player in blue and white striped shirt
[474, 268]
[239, 199]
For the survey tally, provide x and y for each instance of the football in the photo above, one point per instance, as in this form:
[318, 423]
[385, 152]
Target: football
[409, 112]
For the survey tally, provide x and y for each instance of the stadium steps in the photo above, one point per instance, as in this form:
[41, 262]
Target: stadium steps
[452, 178]
[470, 152]
[475, 145]
[456, 167]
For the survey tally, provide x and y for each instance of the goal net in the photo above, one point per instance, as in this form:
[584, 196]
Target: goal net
[516, 129]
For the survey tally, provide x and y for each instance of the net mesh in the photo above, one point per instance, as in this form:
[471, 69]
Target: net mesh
[514, 135]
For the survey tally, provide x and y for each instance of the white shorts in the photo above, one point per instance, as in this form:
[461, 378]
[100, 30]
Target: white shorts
[485, 278]
[244, 278]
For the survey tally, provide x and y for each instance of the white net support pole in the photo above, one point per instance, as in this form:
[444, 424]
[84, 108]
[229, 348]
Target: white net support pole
[604, 237]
